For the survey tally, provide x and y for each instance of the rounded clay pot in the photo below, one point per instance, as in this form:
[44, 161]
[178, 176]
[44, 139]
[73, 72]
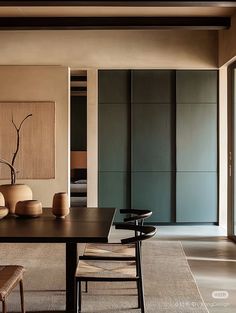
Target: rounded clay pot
[2, 200]
[3, 211]
[14, 193]
[60, 205]
[29, 208]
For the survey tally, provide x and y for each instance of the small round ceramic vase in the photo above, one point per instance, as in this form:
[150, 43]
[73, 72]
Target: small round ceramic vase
[60, 205]
[2, 200]
[14, 193]
[3, 212]
[29, 208]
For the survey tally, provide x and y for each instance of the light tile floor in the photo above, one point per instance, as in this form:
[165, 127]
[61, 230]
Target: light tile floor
[212, 259]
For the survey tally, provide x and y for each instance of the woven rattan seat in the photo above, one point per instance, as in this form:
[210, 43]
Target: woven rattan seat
[109, 250]
[98, 251]
[10, 276]
[104, 269]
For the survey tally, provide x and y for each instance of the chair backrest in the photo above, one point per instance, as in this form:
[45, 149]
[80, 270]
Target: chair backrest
[141, 232]
[136, 215]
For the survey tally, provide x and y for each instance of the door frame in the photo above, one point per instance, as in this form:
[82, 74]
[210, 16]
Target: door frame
[231, 147]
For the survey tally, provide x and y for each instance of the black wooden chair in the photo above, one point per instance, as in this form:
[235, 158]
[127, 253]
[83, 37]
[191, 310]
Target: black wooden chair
[116, 270]
[115, 251]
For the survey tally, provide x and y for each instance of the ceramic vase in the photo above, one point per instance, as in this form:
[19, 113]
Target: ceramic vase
[14, 193]
[2, 200]
[60, 205]
[29, 208]
[3, 212]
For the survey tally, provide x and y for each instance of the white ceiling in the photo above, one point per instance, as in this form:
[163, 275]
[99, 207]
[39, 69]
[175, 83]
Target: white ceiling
[18, 11]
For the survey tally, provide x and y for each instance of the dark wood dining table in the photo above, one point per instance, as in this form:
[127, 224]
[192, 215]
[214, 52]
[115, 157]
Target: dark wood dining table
[82, 225]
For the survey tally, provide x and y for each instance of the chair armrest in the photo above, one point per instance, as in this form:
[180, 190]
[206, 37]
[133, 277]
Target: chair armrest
[136, 214]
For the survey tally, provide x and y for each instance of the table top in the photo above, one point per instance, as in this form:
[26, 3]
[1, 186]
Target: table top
[81, 225]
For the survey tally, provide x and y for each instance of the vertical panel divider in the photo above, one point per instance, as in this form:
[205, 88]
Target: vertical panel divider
[173, 123]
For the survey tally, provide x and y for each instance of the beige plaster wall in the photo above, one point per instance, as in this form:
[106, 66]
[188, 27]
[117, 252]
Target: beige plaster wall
[111, 49]
[91, 50]
[27, 83]
[92, 138]
[227, 43]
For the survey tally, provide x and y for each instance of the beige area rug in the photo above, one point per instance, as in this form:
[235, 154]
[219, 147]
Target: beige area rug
[168, 281]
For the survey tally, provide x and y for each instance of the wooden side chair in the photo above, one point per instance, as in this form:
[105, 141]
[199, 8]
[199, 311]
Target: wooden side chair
[116, 270]
[10, 276]
[115, 251]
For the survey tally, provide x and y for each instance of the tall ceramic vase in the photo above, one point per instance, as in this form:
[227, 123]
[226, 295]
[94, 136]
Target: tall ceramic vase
[14, 193]
[60, 205]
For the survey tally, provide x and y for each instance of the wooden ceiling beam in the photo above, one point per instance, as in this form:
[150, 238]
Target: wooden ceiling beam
[54, 23]
[129, 3]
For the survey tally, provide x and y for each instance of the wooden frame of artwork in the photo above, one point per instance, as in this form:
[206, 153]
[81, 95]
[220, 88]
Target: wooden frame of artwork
[36, 156]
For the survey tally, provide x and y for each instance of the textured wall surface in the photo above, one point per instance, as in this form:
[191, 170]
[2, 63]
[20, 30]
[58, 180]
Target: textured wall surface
[111, 49]
[42, 83]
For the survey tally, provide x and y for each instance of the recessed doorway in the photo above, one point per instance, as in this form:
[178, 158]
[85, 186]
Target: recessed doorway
[78, 109]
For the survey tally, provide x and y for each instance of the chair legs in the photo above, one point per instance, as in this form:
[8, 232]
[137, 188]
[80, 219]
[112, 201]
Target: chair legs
[141, 300]
[78, 284]
[22, 297]
[78, 296]
[139, 292]
[4, 307]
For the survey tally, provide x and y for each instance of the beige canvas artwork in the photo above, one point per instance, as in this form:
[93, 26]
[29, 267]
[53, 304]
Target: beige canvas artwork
[36, 156]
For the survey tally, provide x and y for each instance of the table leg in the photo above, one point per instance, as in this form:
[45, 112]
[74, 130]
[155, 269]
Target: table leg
[71, 263]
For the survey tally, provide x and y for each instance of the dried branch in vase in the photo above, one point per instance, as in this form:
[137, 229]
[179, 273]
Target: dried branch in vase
[11, 165]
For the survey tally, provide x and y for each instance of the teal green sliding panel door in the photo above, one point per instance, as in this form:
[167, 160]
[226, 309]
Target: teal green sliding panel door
[113, 134]
[151, 148]
[196, 142]
[158, 143]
